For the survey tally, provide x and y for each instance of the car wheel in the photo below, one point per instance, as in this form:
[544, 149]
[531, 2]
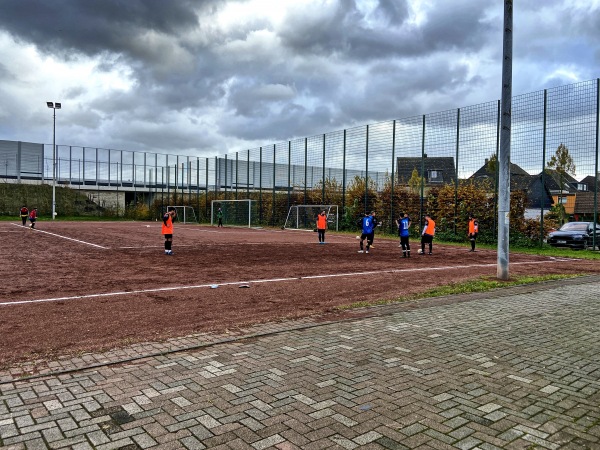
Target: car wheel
[586, 245]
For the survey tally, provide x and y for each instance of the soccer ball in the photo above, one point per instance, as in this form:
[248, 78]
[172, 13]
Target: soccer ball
[419, 251]
[358, 237]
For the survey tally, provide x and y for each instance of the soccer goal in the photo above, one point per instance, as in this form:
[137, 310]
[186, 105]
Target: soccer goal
[235, 212]
[185, 214]
[304, 217]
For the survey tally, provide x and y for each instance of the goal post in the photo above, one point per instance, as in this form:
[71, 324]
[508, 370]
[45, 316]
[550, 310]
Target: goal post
[235, 212]
[185, 214]
[303, 217]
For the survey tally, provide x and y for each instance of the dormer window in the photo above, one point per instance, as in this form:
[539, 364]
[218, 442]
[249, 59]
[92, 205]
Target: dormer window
[435, 176]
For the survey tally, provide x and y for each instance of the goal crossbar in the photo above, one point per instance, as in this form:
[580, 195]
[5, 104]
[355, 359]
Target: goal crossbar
[185, 214]
[235, 212]
[303, 217]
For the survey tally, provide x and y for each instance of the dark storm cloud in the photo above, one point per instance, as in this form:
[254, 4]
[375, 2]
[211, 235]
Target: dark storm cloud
[346, 31]
[459, 24]
[93, 26]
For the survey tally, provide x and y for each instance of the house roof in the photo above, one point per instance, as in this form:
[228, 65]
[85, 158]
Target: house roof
[552, 179]
[584, 203]
[536, 192]
[590, 181]
[442, 164]
[483, 171]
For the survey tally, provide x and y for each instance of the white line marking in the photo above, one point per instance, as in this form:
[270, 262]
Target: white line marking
[64, 237]
[271, 280]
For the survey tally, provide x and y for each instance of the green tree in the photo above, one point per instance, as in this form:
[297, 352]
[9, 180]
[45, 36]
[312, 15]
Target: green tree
[414, 184]
[492, 165]
[562, 163]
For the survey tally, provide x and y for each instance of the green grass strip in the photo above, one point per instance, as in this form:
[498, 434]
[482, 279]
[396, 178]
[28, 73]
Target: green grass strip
[482, 284]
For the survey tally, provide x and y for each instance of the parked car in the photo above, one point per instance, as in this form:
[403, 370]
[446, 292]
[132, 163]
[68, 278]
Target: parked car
[577, 235]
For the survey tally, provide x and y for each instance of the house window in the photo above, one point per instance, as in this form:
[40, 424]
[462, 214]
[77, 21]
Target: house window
[582, 187]
[435, 176]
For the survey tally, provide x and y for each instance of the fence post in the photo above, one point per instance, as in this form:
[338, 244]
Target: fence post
[225, 183]
[543, 179]
[392, 200]
[594, 241]
[260, 205]
[248, 175]
[366, 171]
[456, 175]
[274, 176]
[323, 177]
[344, 175]
[237, 173]
[289, 187]
[217, 180]
[305, 168]
[423, 156]
[206, 192]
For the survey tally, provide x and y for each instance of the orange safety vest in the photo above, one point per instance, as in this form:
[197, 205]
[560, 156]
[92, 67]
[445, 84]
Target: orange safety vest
[430, 227]
[321, 222]
[473, 227]
[168, 228]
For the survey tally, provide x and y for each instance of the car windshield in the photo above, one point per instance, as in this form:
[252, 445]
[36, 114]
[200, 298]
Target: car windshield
[574, 226]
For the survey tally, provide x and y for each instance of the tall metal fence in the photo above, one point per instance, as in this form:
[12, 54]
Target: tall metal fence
[441, 163]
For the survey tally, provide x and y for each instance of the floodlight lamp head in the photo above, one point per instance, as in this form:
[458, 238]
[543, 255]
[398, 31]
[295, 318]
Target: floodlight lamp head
[57, 105]
[50, 104]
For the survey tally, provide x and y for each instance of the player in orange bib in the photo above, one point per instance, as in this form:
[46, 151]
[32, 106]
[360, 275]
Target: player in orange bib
[473, 231]
[321, 226]
[427, 234]
[167, 229]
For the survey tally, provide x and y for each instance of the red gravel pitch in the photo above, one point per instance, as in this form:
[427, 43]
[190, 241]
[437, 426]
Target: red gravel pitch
[92, 286]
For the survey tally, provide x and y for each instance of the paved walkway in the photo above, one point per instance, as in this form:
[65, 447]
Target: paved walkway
[516, 369]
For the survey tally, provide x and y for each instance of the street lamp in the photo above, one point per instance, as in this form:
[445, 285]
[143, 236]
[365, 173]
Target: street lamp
[54, 106]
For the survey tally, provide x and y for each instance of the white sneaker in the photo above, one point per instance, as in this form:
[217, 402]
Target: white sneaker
[360, 251]
[367, 251]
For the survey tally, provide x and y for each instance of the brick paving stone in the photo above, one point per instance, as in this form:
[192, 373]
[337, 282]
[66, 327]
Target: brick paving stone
[510, 369]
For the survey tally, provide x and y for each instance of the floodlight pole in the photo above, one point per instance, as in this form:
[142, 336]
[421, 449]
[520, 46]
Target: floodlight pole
[504, 152]
[54, 106]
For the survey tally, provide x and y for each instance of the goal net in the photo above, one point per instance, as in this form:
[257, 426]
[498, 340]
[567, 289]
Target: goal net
[235, 212]
[304, 217]
[185, 214]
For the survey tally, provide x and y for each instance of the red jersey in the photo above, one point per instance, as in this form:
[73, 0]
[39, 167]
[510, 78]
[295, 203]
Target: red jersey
[33, 214]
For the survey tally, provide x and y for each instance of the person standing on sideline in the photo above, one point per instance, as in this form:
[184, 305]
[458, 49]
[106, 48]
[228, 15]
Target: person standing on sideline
[167, 229]
[427, 234]
[473, 231]
[33, 217]
[321, 226]
[220, 217]
[403, 225]
[369, 222]
[24, 215]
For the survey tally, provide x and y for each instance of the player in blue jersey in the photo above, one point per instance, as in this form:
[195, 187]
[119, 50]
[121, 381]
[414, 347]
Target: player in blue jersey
[403, 224]
[369, 222]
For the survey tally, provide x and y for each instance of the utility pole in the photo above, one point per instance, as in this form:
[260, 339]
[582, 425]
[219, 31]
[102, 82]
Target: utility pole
[504, 153]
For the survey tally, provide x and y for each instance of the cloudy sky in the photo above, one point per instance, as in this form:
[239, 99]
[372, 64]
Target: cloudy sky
[206, 77]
